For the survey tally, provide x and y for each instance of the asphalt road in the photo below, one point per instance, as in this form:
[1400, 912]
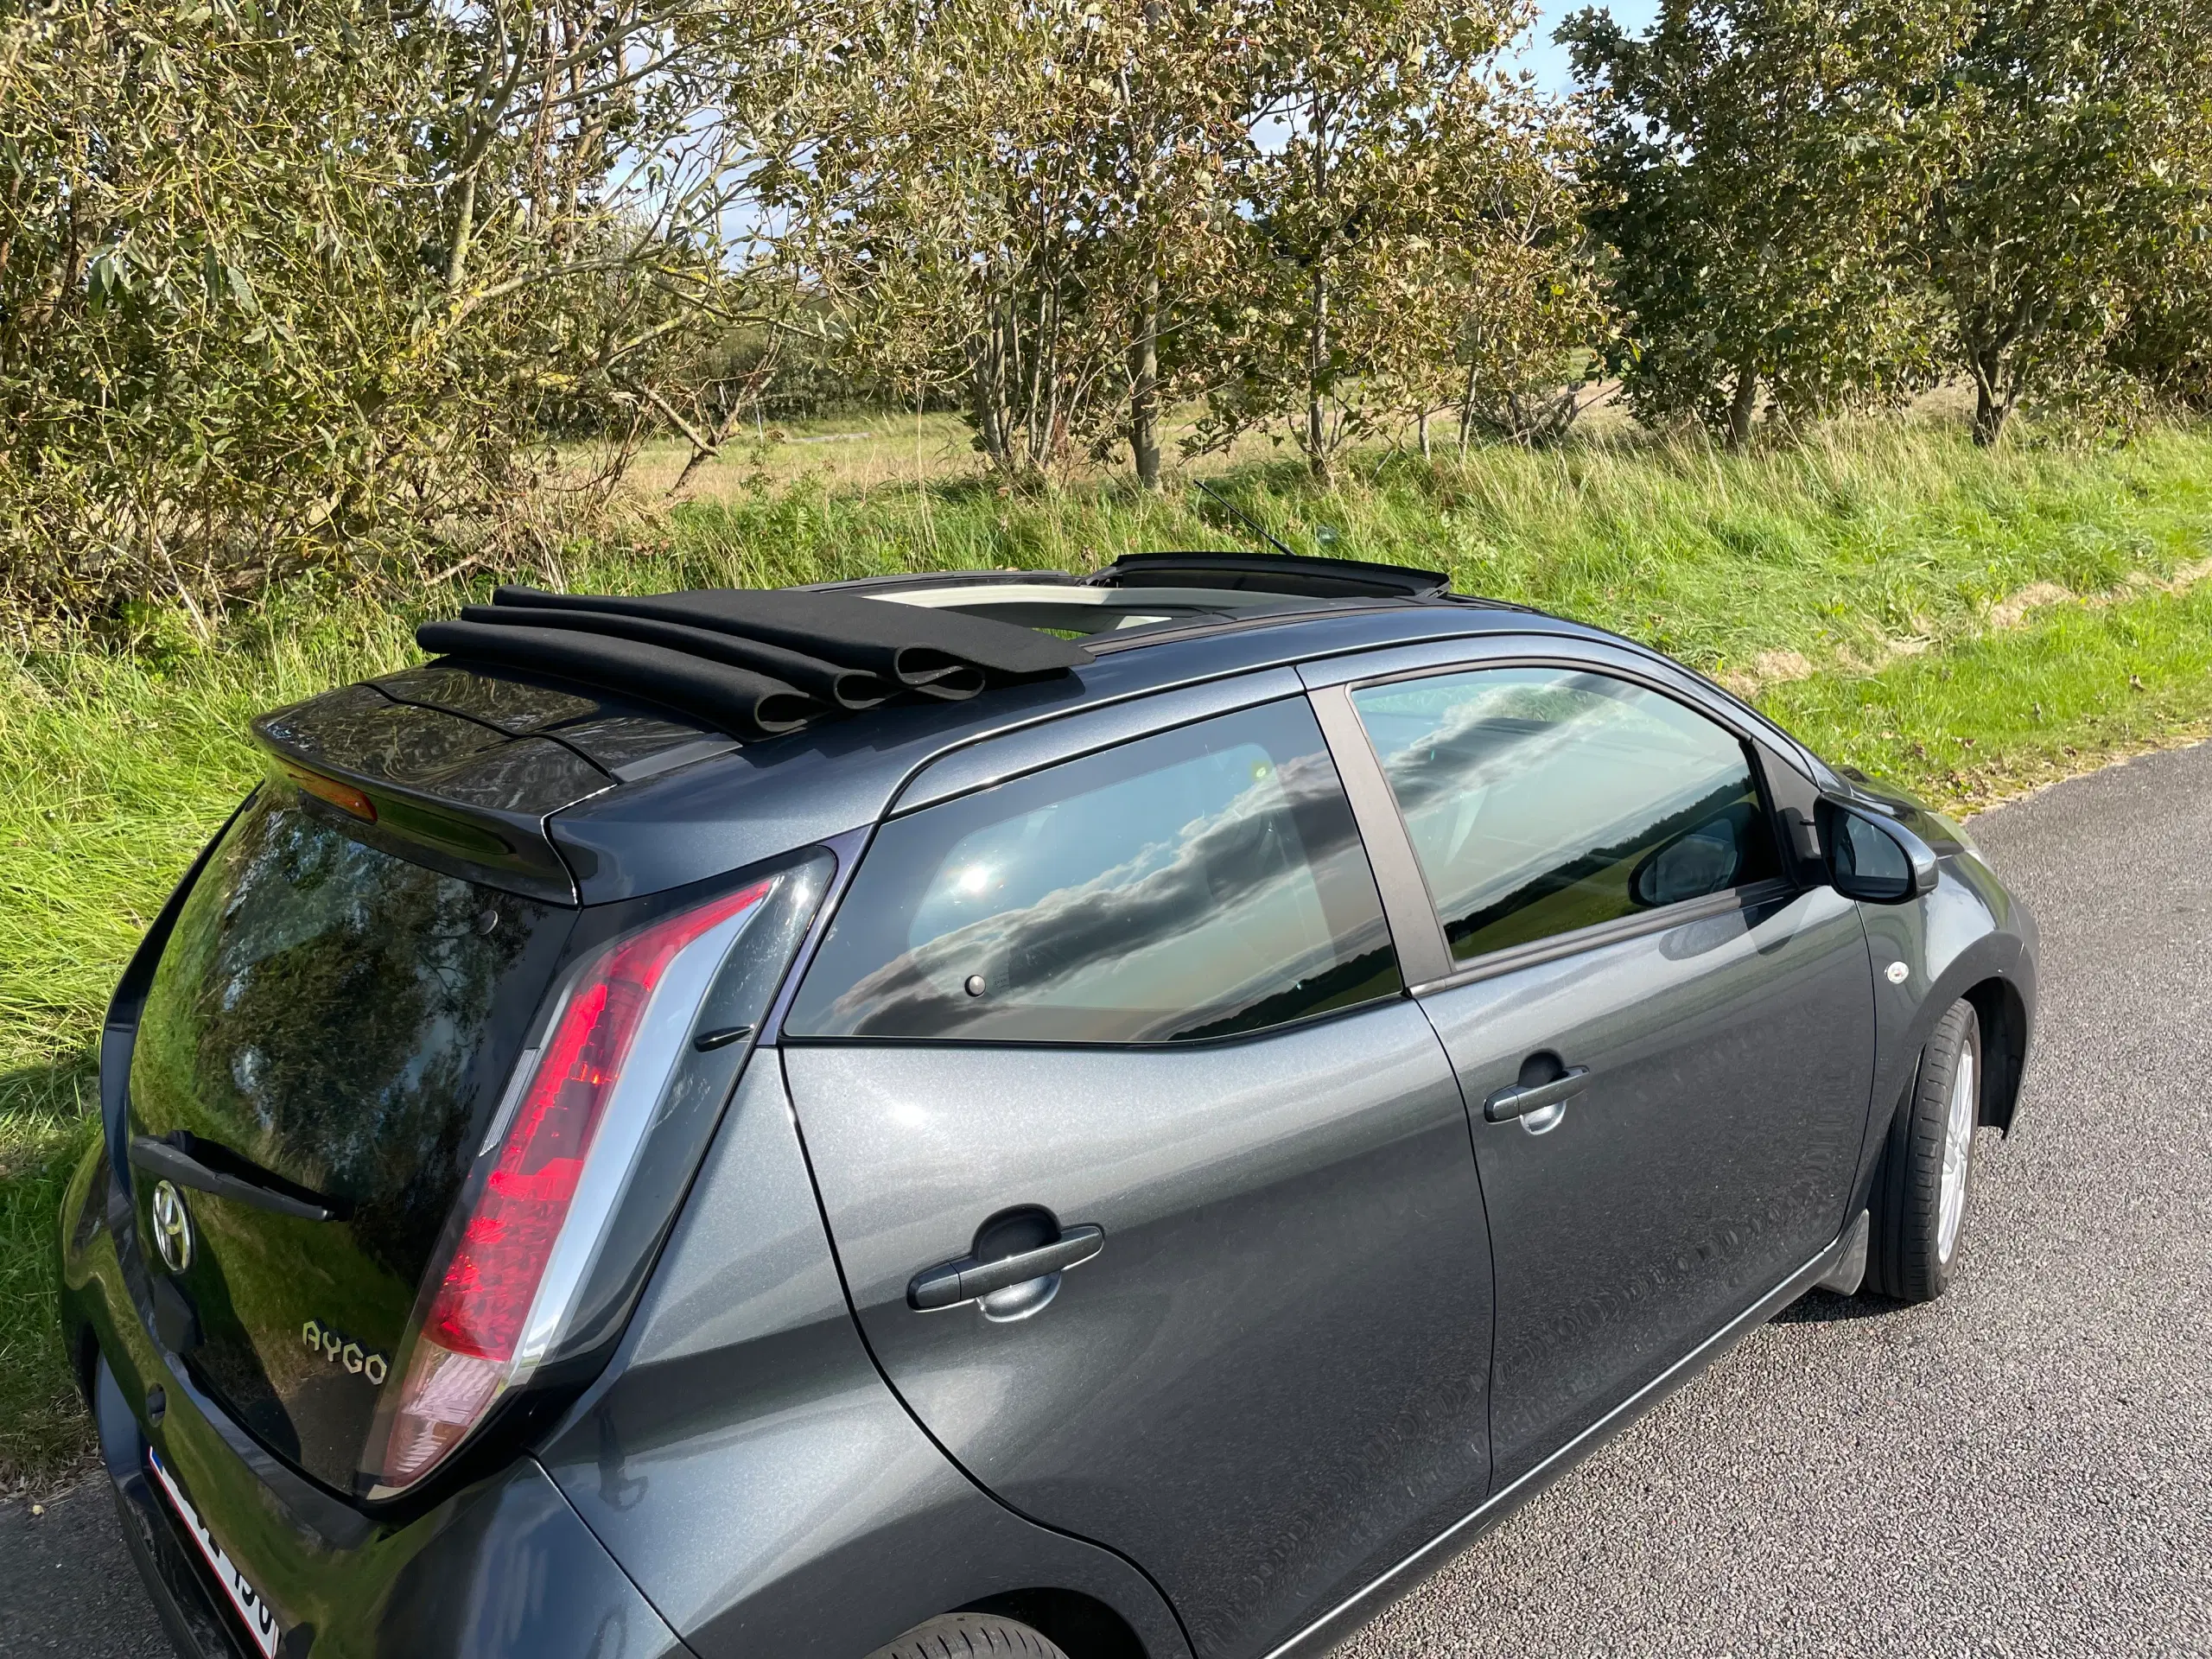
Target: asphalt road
[2023, 1468]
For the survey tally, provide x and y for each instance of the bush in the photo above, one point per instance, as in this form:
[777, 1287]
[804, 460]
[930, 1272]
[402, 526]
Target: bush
[286, 285]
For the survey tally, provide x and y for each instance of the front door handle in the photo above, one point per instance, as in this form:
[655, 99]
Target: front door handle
[1519, 1100]
[951, 1283]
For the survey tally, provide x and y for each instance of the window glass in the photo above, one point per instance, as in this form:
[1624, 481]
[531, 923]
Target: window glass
[1197, 883]
[1540, 800]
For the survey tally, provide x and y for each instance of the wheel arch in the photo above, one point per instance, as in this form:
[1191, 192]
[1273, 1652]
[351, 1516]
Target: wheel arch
[2002, 1014]
[1084, 1626]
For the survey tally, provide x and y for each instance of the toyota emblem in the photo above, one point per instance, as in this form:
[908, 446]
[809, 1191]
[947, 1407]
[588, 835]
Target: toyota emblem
[172, 1227]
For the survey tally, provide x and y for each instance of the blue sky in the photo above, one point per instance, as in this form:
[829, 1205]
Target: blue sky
[1550, 62]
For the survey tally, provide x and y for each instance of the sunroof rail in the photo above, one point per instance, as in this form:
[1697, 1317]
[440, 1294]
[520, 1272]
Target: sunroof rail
[1273, 573]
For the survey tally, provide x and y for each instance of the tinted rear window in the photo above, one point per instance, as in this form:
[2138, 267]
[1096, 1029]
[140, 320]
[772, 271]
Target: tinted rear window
[1199, 883]
[334, 1014]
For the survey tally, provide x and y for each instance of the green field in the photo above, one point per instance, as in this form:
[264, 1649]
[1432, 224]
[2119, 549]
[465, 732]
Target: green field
[1970, 623]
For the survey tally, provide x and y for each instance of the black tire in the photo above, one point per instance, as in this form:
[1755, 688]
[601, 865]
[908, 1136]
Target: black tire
[1904, 1256]
[970, 1635]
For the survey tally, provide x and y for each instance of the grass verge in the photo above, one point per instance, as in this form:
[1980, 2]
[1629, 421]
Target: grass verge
[2006, 713]
[1969, 623]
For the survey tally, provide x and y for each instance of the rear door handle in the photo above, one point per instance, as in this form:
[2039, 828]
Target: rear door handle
[951, 1283]
[1521, 1099]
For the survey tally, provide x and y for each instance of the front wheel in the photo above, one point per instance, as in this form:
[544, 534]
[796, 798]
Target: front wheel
[1926, 1174]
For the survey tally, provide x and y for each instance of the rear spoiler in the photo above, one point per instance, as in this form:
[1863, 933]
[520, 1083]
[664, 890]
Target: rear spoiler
[458, 769]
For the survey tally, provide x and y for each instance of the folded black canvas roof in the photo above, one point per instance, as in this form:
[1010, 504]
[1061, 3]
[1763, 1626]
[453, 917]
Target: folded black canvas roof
[754, 662]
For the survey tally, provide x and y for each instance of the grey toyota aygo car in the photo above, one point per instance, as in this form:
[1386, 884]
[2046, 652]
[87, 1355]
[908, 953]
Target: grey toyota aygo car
[1120, 1115]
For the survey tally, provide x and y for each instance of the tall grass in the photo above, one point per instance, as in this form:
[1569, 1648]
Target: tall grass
[117, 760]
[1853, 578]
[1859, 541]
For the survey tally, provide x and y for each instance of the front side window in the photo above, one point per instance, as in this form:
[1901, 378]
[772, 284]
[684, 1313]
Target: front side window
[1542, 800]
[1202, 882]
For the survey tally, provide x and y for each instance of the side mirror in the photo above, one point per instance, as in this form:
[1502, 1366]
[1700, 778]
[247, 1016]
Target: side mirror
[1872, 859]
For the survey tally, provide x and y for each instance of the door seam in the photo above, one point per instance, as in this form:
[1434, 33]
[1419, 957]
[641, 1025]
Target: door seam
[1490, 1240]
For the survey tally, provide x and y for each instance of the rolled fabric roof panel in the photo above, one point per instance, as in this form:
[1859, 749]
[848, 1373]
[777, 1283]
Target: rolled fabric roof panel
[956, 685]
[917, 645]
[741, 702]
[850, 688]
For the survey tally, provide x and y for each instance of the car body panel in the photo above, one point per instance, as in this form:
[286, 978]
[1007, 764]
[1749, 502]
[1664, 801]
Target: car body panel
[502, 1566]
[744, 1458]
[1729, 1043]
[1332, 1625]
[1968, 933]
[1270, 1381]
[1711, 1153]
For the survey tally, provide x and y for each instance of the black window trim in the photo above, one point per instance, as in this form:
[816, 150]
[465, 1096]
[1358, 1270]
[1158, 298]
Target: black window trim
[1060, 1046]
[1408, 907]
[1003, 757]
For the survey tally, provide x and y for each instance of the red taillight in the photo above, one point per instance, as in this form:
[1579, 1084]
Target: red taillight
[468, 1351]
[496, 1266]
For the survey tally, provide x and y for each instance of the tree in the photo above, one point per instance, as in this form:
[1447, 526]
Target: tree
[1018, 201]
[2070, 176]
[286, 285]
[1522, 320]
[938, 191]
[1165, 157]
[1385, 140]
[2164, 344]
[1760, 162]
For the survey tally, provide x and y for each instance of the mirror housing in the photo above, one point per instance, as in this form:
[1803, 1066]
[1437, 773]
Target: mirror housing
[1872, 858]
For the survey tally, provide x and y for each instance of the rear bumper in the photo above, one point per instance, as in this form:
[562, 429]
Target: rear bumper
[502, 1569]
[179, 1589]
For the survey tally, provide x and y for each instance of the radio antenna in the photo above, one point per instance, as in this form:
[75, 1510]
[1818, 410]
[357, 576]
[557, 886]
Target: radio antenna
[1250, 523]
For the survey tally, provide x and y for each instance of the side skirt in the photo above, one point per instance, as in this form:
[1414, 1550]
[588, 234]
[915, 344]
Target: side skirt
[1363, 1603]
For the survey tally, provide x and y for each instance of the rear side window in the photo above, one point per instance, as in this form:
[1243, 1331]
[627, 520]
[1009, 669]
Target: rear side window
[1541, 800]
[1198, 883]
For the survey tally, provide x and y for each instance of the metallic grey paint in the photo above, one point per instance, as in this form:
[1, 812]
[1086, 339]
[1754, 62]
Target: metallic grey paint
[1271, 1387]
[503, 1568]
[1270, 1382]
[1339, 1622]
[744, 1460]
[1710, 1151]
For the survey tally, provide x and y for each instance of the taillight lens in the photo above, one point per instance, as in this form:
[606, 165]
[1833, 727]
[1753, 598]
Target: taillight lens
[528, 1235]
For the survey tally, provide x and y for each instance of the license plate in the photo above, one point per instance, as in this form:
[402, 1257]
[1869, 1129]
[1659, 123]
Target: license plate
[260, 1619]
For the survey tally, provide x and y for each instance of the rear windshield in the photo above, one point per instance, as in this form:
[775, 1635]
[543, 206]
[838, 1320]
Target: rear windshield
[341, 1018]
